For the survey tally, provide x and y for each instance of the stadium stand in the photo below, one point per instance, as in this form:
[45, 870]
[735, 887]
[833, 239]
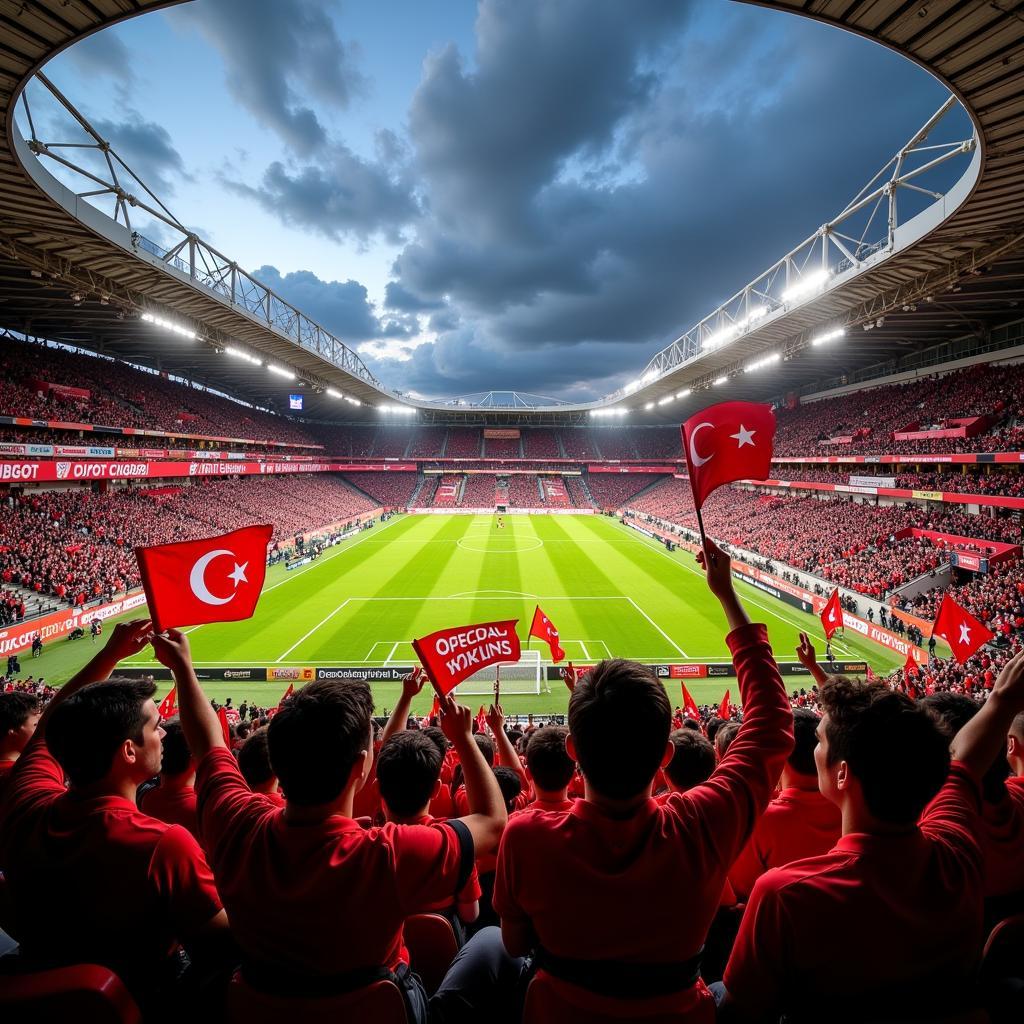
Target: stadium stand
[503, 448]
[524, 491]
[554, 492]
[427, 442]
[448, 489]
[578, 494]
[464, 443]
[540, 444]
[392, 490]
[613, 490]
[578, 443]
[479, 490]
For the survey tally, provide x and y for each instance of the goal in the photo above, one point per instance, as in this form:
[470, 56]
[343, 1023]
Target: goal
[524, 676]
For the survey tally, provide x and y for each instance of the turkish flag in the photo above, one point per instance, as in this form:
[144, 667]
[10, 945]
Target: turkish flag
[214, 580]
[723, 708]
[690, 708]
[544, 629]
[726, 442]
[910, 666]
[961, 630]
[832, 615]
[454, 654]
[169, 705]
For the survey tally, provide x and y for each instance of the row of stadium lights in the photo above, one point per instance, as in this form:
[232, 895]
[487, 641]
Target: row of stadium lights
[237, 353]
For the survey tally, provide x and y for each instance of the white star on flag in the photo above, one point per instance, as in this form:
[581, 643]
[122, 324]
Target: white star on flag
[965, 633]
[744, 437]
[239, 574]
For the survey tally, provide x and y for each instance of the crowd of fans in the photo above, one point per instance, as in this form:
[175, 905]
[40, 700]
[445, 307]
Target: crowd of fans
[1007, 482]
[392, 490]
[613, 490]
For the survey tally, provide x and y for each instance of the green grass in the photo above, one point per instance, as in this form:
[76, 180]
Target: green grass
[609, 590]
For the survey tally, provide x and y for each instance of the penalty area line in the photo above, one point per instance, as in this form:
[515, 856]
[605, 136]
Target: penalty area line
[657, 627]
[323, 621]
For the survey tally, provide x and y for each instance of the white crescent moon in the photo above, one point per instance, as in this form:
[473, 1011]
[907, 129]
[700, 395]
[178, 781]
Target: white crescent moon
[197, 582]
[694, 457]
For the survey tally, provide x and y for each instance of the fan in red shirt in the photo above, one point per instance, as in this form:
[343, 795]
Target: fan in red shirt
[551, 769]
[19, 715]
[588, 891]
[902, 896]
[254, 764]
[316, 899]
[173, 799]
[92, 878]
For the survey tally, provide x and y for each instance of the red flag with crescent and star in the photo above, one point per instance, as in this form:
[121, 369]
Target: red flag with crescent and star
[197, 581]
[832, 615]
[961, 630]
[726, 442]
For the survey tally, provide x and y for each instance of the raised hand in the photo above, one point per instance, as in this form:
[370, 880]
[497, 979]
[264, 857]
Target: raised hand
[413, 683]
[717, 567]
[495, 718]
[172, 649]
[805, 652]
[128, 638]
[456, 721]
[570, 676]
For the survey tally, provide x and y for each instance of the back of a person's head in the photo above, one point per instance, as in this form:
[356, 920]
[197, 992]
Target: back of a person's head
[408, 767]
[177, 758]
[954, 711]
[693, 759]
[15, 710]
[894, 747]
[486, 745]
[254, 760]
[318, 736]
[711, 729]
[87, 730]
[509, 783]
[551, 767]
[724, 737]
[805, 734]
[619, 720]
[436, 734]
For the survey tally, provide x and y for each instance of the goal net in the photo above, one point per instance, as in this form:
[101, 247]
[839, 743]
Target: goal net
[523, 676]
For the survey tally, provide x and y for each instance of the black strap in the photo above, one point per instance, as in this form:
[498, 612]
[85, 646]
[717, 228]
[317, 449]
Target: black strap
[278, 981]
[620, 979]
[467, 852]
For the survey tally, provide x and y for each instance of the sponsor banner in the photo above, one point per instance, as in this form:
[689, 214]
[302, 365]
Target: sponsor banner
[39, 449]
[927, 495]
[13, 449]
[923, 457]
[115, 470]
[964, 560]
[501, 433]
[687, 671]
[389, 674]
[143, 453]
[605, 468]
[796, 597]
[60, 623]
[924, 435]
[872, 481]
[68, 451]
[290, 673]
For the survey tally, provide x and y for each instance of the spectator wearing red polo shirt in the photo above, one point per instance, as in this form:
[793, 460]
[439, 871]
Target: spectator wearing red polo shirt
[693, 761]
[902, 896]
[589, 891]
[551, 769]
[19, 715]
[799, 822]
[173, 799]
[319, 901]
[92, 878]
[254, 764]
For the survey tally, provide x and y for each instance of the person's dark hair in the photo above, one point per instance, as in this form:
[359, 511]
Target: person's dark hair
[408, 767]
[954, 711]
[86, 730]
[1017, 726]
[551, 767]
[435, 733]
[317, 737]
[242, 730]
[691, 723]
[177, 757]
[713, 726]
[724, 737]
[805, 732]
[619, 718]
[693, 761]
[895, 747]
[254, 759]
[15, 710]
[486, 745]
[509, 783]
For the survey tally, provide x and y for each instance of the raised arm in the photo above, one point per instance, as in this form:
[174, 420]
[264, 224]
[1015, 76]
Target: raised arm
[487, 814]
[507, 755]
[198, 719]
[808, 658]
[411, 686]
[126, 639]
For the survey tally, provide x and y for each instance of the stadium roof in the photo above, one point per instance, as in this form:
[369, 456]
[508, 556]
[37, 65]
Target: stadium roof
[70, 273]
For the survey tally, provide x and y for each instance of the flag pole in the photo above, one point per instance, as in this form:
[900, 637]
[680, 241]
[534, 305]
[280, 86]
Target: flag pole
[497, 685]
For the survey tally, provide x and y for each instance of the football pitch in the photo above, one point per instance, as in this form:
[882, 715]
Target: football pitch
[610, 591]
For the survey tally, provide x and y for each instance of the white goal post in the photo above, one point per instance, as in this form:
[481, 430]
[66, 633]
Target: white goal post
[525, 676]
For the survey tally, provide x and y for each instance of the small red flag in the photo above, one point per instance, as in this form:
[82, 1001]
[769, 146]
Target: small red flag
[169, 705]
[544, 629]
[726, 442]
[723, 708]
[454, 654]
[832, 615]
[284, 696]
[961, 630]
[870, 676]
[218, 579]
[910, 666]
[481, 719]
[222, 714]
[435, 708]
[690, 708]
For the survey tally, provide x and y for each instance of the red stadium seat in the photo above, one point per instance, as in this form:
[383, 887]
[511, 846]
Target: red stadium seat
[432, 946]
[380, 1002]
[84, 992]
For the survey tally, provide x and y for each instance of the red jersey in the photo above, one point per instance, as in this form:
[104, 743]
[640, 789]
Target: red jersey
[172, 803]
[550, 866]
[6, 767]
[894, 920]
[1002, 841]
[540, 804]
[798, 823]
[95, 880]
[322, 899]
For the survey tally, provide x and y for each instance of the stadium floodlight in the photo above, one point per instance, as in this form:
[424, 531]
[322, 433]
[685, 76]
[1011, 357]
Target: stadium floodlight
[352, 401]
[401, 410]
[649, 376]
[281, 371]
[649, 405]
[619, 410]
[666, 399]
[685, 393]
[822, 339]
[719, 380]
[726, 334]
[333, 393]
[760, 364]
[168, 325]
[807, 284]
[239, 354]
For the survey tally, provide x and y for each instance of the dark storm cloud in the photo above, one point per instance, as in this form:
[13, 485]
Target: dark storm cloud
[396, 296]
[103, 53]
[342, 307]
[148, 150]
[279, 56]
[584, 212]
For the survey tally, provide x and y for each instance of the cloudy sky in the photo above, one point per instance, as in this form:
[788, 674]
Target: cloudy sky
[515, 194]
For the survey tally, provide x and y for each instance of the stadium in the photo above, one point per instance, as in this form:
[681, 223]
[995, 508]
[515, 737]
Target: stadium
[154, 393]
